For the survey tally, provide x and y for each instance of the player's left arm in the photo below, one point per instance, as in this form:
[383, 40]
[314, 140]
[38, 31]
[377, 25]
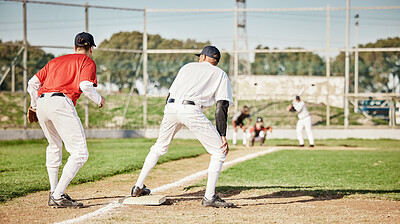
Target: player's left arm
[221, 117]
[87, 82]
[90, 92]
[223, 96]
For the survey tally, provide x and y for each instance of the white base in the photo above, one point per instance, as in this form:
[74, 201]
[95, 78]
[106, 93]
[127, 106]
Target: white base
[145, 200]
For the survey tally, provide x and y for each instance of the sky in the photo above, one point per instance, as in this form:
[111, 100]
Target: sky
[58, 25]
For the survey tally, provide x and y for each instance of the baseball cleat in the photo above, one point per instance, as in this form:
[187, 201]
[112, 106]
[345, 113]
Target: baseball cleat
[216, 202]
[301, 146]
[51, 203]
[137, 192]
[311, 146]
[64, 202]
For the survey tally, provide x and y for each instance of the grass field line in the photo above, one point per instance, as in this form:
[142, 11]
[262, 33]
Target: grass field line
[112, 205]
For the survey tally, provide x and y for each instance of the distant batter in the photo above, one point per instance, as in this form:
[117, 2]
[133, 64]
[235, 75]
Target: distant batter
[237, 120]
[304, 121]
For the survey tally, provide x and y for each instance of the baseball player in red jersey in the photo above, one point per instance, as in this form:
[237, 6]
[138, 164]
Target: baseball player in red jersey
[237, 120]
[197, 85]
[258, 133]
[54, 91]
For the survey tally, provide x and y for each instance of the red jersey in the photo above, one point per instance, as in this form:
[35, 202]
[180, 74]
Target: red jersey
[64, 74]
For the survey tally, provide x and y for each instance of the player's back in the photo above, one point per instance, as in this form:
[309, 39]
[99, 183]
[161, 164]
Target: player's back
[64, 70]
[197, 81]
[63, 74]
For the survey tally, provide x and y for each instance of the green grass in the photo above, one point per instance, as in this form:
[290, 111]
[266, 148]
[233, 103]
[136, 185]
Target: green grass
[23, 170]
[333, 173]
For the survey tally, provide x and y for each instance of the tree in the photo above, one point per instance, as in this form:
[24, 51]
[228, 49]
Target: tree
[374, 67]
[162, 68]
[37, 59]
[287, 63]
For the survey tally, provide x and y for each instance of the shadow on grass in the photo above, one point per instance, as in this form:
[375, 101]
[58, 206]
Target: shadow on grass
[292, 194]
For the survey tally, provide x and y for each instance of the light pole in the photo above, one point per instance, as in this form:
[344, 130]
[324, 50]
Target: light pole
[347, 66]
[356, 67]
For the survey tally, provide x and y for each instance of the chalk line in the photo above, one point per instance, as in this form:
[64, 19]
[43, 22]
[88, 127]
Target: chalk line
[178, 183]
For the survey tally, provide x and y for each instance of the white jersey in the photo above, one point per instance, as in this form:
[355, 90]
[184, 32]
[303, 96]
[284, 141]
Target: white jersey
[202, 83]
[301, 109]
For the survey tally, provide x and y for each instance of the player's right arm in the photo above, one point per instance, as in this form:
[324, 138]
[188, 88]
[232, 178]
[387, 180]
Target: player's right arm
[33, 89]
[35, 83]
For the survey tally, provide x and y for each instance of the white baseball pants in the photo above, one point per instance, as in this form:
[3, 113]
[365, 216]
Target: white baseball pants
[304, 123]
[60, 122]
[175, 116]
[244, 137]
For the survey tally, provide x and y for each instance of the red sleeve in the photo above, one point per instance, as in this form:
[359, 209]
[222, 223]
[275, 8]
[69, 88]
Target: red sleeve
[42, 74]
[88, 72]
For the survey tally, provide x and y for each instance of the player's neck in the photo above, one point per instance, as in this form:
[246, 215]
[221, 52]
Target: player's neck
[87, 53]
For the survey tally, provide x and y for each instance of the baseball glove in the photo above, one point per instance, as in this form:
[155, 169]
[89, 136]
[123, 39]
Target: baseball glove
[31, 115]
[290, 108]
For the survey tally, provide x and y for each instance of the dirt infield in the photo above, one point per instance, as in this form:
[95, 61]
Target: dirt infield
[253, 206]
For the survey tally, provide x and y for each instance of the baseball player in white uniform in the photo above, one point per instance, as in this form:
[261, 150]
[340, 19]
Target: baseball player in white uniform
[304, 122]
[197, 85]
[54, 91]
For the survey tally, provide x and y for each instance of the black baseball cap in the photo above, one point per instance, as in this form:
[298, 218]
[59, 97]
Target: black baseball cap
[259, 119]
[88, 40]
[210, 51]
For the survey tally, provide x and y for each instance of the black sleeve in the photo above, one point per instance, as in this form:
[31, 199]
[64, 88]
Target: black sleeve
[221, 115]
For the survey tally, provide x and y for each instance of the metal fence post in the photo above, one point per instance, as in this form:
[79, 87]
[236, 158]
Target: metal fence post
[347, 68]
[86, 99]
[328, 63]
[356, 66]
[25, 61]
[236, 59]
[145, 74]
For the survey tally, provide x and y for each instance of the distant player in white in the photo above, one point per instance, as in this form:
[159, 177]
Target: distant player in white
[304, 121]
[237, 120]
[197, 85]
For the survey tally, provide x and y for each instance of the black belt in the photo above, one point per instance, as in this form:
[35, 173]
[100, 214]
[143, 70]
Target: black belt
[187, 102]
[54, 94]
